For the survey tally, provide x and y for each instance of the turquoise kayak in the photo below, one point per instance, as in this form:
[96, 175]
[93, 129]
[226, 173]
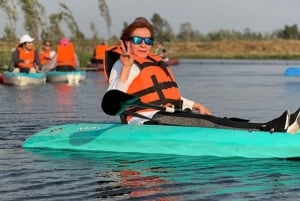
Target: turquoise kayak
[161, 139]
[65, 77]
[22, 79]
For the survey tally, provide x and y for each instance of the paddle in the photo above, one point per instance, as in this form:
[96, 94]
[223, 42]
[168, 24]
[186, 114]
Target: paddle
[115, 102]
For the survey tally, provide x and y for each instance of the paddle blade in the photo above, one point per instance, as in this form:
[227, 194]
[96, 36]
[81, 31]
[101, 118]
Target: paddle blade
[115, 102]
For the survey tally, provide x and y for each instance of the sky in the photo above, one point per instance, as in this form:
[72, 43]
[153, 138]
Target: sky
[206, 16]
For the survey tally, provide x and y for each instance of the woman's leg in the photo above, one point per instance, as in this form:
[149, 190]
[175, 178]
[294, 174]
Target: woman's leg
[191, 119]
[16, 70]
[32, 70]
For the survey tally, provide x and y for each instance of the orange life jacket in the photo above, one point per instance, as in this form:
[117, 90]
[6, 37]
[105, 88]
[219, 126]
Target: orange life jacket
[26, 55]
[44, 56]
[66, 55]
[100, 52]
[155, 84]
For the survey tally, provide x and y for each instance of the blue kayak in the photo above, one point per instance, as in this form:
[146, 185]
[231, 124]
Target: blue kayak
[65, 77]
[292, 71]
[161, 139]
[22, 79]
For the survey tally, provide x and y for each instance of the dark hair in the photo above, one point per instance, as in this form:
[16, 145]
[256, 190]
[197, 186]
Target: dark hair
[139, 22]
[47, 41]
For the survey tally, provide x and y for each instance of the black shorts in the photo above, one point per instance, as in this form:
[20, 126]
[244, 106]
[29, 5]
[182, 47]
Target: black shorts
[24, 70]
[65, 68]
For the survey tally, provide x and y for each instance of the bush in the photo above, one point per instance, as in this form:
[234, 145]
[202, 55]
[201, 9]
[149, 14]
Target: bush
[5, 61]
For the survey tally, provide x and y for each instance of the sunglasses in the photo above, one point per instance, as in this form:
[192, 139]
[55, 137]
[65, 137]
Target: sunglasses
[138, 40]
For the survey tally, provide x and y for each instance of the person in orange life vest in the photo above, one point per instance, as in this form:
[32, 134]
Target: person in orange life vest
[140, 72]
[65, 58]
[136, 43]
[25, 58]
[162, 51]
[46, 55]
[99, 53]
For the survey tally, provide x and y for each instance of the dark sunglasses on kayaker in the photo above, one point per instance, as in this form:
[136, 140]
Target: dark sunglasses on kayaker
[138, 40]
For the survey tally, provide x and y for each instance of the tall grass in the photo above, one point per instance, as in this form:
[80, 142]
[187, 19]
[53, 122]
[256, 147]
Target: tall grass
[237, 49]
[5, 61]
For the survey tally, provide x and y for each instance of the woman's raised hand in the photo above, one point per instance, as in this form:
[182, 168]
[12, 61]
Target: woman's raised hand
[126, 56]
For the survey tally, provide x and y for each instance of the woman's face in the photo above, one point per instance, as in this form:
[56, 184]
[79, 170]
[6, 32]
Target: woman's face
[47, 46]
[28, 46]
[142, 49]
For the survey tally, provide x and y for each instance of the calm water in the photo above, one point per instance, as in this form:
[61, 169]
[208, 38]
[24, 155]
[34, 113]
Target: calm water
[256, 90]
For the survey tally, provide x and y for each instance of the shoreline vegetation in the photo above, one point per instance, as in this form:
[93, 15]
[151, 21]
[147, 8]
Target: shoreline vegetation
[280, 49]
[236, 49]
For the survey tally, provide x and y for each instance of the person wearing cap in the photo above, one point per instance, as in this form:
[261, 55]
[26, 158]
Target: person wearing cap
[25, 58]
[65, 59]
[161, 51]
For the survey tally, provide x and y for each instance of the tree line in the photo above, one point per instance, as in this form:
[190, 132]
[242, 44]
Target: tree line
[38, 25]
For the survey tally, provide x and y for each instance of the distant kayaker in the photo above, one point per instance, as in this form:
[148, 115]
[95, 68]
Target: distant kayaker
[99, 53]
[65, 59]
[134, 69]
[25, 58]
[162, 51]
[46, 55]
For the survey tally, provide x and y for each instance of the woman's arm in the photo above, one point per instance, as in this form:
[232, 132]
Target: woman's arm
[37, 60]
[194, 106]
[15, 58]
[114, 79]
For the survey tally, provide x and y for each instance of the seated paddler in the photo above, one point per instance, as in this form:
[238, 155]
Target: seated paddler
[132, 68]
[66, 59]
[25, 58]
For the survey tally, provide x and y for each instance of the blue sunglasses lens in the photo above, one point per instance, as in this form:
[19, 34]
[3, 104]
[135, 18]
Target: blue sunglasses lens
[138, 40]
[148, 41]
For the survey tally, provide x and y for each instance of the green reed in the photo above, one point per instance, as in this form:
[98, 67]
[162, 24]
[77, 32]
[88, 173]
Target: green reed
[5, 61]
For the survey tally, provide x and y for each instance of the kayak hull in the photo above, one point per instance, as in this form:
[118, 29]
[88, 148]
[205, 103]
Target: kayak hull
[159, 139]
[94, 67]
[65, 77]
[22, 79]
[172, 61]
[292, 71]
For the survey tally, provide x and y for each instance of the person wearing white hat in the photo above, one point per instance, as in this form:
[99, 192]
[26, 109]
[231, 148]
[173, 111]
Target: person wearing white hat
[25, 58]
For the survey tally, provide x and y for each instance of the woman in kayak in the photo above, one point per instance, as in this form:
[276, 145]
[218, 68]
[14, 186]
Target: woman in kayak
[26, 58]
[134, 69]
[46, 54]
[65, 59]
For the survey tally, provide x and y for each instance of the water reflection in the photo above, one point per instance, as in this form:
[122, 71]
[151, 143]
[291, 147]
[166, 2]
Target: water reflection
[65, 106]
[129, 176]
[130, 183]
[25, 98]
